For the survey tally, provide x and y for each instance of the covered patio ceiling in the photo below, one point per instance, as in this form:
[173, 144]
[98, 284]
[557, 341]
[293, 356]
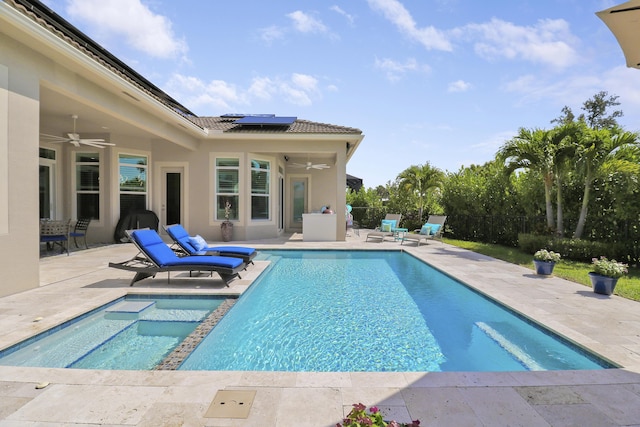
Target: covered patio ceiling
[56, 110]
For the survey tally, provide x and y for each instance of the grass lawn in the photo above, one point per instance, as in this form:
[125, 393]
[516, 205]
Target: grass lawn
[627, 287]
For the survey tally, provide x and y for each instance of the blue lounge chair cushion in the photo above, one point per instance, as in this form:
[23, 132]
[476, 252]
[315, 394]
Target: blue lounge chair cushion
[198, 242]
[388, 224]
[426, 230]
[228, 249]
[153, 246]
[434, 228]
[180, 235]
[53, 238]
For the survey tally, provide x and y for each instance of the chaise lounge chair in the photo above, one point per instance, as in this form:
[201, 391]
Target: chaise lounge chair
[156, 257]
[197, 246]
[433, 229]
[387, 228]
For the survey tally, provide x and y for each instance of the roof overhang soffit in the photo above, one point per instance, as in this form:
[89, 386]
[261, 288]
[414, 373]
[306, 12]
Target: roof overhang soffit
[52, 46]
[352, 141]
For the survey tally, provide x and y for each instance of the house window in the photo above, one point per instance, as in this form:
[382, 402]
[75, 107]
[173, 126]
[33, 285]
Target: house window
[133, 183]
[227, 187]
[47, 178]
[88, 185]
[260, 184]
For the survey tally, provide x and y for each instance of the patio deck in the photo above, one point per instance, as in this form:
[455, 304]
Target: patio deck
[71, 285]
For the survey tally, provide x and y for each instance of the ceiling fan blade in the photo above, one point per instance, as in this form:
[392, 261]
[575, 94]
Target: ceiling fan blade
[92, 144]
[309, 166]
[74, 138]
[52, 138]
[96, 144]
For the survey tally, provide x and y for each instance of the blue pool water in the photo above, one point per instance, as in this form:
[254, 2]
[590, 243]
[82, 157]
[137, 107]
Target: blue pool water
[335, 311]
[135, 332]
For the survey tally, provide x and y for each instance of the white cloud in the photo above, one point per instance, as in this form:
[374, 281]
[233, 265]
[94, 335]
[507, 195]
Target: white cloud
[394, 11]
[623, 81]
[271, 33]
[300, 89]
[493, 142]
[143, 29]
[262, 88]
[339, 10]
[549, 42]
[305, 82]
[459, 86]
[196, 93]
[573, 90]
[306, 23]
[396, 70]
[297, 89]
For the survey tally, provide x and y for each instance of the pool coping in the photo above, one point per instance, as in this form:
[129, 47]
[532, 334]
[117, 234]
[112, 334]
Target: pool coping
[287, 398]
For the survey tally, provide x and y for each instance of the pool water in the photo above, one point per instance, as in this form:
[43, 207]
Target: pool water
[135, 332]
[373, 311]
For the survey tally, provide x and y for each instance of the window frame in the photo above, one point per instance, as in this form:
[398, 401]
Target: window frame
[74, 183]
[267, 187]
[146, 167]
[218, 215]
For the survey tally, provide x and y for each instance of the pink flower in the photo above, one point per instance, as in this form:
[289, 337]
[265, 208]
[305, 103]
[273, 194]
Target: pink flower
[374, 409]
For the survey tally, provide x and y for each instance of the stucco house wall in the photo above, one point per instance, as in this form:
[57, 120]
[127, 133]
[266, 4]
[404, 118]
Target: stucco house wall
[45, 79]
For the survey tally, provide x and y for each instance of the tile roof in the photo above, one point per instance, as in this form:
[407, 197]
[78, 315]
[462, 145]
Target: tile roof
[54, 23]
[48, 19]
[227, 124]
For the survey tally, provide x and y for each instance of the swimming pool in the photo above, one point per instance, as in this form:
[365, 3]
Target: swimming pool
[336, 311]
[135, 332]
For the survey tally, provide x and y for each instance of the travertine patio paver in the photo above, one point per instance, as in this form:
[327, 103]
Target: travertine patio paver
[75, 284]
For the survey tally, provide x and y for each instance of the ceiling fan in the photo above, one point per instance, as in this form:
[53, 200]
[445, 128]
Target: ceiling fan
[310, 165]
[74, 138]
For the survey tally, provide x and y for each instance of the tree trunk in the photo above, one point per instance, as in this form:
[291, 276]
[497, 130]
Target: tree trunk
[583, 211]
[559, 213]
[548, 205]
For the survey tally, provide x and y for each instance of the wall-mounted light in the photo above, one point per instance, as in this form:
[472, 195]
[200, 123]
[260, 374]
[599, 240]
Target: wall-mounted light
[286, 158]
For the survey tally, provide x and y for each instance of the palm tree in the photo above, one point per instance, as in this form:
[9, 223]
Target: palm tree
[536, 150]
[419, 180]
[564, 139]
[600, 151]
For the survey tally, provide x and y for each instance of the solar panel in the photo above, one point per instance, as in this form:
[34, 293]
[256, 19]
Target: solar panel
[266, 120]
[241, 115]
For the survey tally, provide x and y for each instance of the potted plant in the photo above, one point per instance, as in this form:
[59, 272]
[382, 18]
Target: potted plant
[359, 417]
[605, 274]
[226, 227]
[544, 261]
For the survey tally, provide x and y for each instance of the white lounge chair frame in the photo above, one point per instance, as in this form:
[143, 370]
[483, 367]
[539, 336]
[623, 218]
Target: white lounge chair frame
[381, 235]
[418, 238]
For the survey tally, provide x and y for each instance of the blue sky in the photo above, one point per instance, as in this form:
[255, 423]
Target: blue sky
[439, 81]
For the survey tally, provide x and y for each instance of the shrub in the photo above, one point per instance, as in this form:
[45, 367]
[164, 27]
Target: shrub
[572, 249]
[545, 255]
[611, 268]
[359, 417]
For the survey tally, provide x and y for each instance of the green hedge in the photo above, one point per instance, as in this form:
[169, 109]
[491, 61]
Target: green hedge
[573, 249]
